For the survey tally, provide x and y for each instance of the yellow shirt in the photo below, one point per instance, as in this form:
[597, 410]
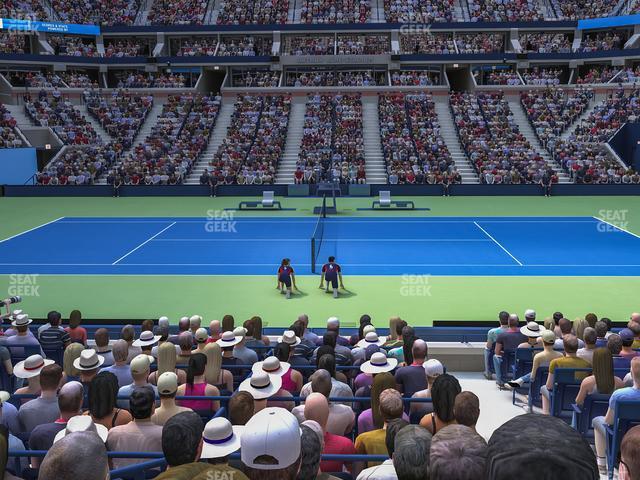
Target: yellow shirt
[372, 443]
[570, 362]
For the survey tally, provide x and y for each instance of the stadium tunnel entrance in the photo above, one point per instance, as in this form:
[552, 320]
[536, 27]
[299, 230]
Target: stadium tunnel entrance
[212, 79]
[459, 77]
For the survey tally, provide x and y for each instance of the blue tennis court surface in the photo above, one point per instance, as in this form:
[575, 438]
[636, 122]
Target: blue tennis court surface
[581, 246]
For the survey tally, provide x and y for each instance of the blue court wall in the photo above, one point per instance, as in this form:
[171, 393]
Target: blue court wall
[17, 165]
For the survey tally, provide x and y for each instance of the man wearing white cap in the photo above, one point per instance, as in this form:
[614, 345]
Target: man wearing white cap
[433, 369]
[146, 342]
[270, 445]
[23, 337]
[245, 355]
[140, 368]
[70, 404]
[167, 388]
[219, 440]
[261, 386]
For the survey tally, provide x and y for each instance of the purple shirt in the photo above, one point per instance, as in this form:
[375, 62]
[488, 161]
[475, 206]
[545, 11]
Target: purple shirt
[365, 421]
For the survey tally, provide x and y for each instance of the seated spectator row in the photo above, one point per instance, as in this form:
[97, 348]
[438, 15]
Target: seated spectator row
[258, 12]
[51, 110]
[183, 12]
[504, 10]
[78, 80]
[427, 43]
[363, 44]
[480, 42]
[245, 46]
[139, 79]
[309, 45]
[335, 78]
[179, 137]
[79, 165]
[579, 9]
[542, 76]
[332, 147]
[598, 41]
[255, 78]
[127, 47]
[414, 150]
[335, 11]
[121, 114]
[255, 140]
[34, 79]
[13, 43]
[9, 137]
[545, 42]
[493, 142]
[554, 110]
[73, 46]
[417, 78]
[418, 11]
[113, 12]
[596, 74]
[499, 76]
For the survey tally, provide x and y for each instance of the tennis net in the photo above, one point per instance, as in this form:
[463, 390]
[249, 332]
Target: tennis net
[318, 235]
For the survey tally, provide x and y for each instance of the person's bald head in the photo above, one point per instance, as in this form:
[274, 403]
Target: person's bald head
[513, 320]
[321, 382]
[316, 407]
[183, 324]
[77, 455]
[565, 326]
[419, 349]
[214, 327]
[635, 317]
[70, 398]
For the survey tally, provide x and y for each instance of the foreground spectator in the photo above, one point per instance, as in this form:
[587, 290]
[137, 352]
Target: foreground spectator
[181, 445]
[220, 440]
[515, 451]
[167, 389]
[443, 393]
[457, 453]
[466, 409]
[386, 470]
[78, 455]
[411, 452]
[629, 460]
[120, 368]
[43, 409]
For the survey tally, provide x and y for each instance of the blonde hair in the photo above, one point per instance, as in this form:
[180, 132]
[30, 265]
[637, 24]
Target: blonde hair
[549, 324]
[214, 363]
[393, 323]
[166, 358]
[579, 324]
[70, 354]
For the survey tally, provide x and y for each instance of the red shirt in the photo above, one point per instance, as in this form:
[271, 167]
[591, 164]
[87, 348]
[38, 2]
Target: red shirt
[77, 334]
[336, 445]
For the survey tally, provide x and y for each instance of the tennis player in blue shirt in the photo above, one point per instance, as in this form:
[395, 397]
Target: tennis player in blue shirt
[332, 273]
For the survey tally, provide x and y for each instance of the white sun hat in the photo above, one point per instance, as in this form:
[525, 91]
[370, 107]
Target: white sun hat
[220, 438]
[261, 385]
[379, 363]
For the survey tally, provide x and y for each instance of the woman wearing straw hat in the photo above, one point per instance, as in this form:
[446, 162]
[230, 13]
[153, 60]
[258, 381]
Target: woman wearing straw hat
[167, 359]
[380, 367]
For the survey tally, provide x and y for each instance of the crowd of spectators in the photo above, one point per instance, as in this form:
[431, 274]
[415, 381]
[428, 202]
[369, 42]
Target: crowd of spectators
[126, 47]
[255, 78]
[598, 41]
[427, 43]
[23, 9]
[582, 154]
[499, 77]
[415, 78]
[255, 140]
[359, 44]
[13, 43]
[629, 75]
[245, 46]
[184, 12]
[139, 79]
[333, 78]
[78, 80]
[553, 110]
[73, 46]
[542, 76]
[414, 150]
[9, 137]
[79, 165]
[194, 47]
[167, 155]
[579, 9]
[504, 10]
[545, 42]
[53, 111]
[493, 142]
[596, 74]
[309, 45]
[335, 11]
[34, 79]
[332, 147]
[258, 12]
[419, 12]
[97, 12]
[480, 42]
[121, 114]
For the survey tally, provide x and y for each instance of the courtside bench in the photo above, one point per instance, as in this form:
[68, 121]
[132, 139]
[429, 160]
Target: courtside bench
[385, 202]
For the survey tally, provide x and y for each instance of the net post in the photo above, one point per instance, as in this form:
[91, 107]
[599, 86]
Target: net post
[313, 255]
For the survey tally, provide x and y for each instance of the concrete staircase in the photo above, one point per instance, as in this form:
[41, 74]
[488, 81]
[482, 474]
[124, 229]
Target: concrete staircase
[147, 126]
[450, 136]
[374, 159]
[102, 133]
[377, 11]
[460, 11]
[526, 129]
[294, 11]
[597, 99]
[211, 16]
[143, 13]
[287, 165]
[20, 115]
[217, 136]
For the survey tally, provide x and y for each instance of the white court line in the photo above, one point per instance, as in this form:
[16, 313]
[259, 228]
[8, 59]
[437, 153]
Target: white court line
[452, 265]
[617, 227]
[31, 230]
[231, 238]
[296, 220]
[498, 243]
[143, 243]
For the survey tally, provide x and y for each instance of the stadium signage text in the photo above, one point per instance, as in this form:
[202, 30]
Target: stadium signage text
[17, 25]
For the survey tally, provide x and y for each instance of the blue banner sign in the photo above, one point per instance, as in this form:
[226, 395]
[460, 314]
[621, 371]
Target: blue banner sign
[609, 22]
[51, 27]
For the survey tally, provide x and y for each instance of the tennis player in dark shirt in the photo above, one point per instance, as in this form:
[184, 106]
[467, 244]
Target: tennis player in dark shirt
[286, 277]
[332, 273]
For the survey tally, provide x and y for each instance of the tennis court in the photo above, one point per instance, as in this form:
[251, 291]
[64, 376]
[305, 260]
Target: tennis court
[224, 245]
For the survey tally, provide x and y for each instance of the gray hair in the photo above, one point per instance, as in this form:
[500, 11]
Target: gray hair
[311, 451]
[411, 455]
[163, 322]
[185, 341]
[589, 336]
[128, 333]
[77, 455]
[458, 453]
[120, 350]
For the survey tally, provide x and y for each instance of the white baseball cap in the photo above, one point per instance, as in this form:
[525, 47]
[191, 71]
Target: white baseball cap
[333, 321]
[167, 383]
[274, 432]
[141, 363]
[433, 367]
[202, 335]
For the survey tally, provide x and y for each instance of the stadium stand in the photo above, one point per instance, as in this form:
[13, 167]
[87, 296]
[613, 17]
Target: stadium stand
[9, 137]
